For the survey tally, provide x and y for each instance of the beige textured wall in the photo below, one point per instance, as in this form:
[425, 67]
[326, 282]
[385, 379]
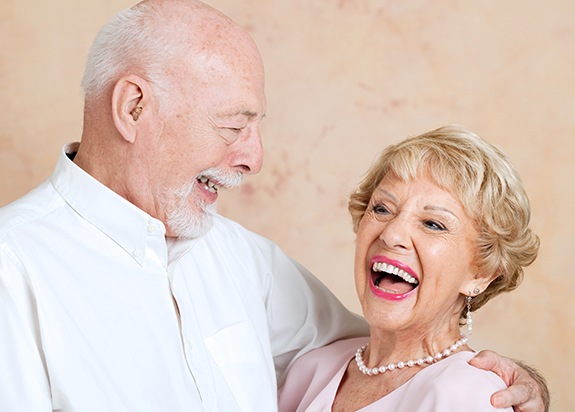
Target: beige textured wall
[344, 79]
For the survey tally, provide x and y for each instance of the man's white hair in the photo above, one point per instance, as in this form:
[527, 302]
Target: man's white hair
[133, 42]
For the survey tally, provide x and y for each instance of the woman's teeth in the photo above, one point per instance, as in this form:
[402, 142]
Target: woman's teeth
[394, 270]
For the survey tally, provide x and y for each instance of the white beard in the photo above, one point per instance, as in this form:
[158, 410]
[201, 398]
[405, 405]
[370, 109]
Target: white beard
[190, 220]
[193, 218]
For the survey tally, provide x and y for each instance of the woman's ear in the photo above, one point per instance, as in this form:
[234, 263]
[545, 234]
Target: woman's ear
[130, 97]
[477, 284]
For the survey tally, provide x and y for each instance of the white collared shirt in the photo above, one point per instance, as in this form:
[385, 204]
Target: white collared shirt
[99, 313]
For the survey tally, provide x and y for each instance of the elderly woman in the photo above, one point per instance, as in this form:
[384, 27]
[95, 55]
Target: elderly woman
[442, 227]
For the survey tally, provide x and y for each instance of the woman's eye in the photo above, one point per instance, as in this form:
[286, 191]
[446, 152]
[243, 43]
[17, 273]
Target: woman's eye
[380, 209]
[433, 225]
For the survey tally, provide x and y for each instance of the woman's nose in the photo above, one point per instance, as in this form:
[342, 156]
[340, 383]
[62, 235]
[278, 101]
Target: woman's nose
[395, 233]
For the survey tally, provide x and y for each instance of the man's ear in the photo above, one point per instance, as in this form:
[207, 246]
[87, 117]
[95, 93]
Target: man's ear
[130, 98]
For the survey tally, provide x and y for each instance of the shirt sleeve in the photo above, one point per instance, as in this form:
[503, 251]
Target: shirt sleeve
[23, 381]
[303, 314]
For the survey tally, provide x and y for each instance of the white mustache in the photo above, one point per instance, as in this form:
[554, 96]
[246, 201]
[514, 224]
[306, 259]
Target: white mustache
[226, 180]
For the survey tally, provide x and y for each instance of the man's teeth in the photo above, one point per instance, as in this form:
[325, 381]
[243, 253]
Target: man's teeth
[394, 270]
[208, 184]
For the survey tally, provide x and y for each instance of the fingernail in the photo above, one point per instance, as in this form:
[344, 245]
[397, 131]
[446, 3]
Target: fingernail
[497, 400]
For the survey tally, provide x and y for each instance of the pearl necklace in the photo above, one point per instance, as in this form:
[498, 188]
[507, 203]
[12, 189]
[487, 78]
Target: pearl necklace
[412, 362]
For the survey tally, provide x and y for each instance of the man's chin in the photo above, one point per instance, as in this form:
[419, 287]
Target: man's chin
[187, 224]
[194, 231]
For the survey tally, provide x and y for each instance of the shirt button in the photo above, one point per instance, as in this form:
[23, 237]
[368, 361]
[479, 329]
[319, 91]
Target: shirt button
[138, 253]
[154, 228]
[188, 344]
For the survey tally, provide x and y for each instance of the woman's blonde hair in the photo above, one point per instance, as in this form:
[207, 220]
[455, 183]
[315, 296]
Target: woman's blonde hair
[483, 179]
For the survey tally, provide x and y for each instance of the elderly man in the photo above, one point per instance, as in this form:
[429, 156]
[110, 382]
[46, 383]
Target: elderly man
[120, 288]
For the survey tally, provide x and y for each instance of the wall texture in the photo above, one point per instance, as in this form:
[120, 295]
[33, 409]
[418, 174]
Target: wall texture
[344, 79]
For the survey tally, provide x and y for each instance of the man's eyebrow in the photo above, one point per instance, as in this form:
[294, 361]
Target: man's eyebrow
[247, 113]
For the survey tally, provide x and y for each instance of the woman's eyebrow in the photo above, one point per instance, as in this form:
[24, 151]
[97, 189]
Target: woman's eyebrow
[441, 209]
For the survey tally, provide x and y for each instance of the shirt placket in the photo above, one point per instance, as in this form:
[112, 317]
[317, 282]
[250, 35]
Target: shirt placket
[197, 358]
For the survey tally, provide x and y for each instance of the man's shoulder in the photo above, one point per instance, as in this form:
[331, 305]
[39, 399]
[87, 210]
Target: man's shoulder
[34, 205]
[228, 241]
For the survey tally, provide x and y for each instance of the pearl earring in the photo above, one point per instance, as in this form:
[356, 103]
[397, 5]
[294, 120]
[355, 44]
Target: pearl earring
[469, 320]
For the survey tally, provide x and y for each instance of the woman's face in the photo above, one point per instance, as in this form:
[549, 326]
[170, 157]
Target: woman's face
[415, 256]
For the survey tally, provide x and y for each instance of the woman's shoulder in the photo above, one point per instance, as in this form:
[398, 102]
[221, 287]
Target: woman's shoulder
[453, 381]
[457, 366]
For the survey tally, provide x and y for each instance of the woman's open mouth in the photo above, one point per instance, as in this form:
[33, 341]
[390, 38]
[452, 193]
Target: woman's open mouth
[390, 281]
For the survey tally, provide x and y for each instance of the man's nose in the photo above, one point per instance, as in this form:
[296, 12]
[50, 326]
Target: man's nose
[248, 154]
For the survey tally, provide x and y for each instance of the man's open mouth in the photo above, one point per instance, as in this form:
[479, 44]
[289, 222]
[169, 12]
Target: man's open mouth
[208, 184]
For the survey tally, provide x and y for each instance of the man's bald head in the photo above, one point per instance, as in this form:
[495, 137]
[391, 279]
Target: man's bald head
[156, 37]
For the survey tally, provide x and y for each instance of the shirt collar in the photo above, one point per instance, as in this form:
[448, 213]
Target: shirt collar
[117, 218]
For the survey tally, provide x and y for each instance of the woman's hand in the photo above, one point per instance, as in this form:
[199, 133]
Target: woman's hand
[527, 390]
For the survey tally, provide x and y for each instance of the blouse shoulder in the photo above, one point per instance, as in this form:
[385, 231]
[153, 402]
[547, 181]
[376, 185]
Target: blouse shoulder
[453, 384]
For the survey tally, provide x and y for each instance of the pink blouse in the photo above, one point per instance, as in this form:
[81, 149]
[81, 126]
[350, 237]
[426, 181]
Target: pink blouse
[448, 385]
